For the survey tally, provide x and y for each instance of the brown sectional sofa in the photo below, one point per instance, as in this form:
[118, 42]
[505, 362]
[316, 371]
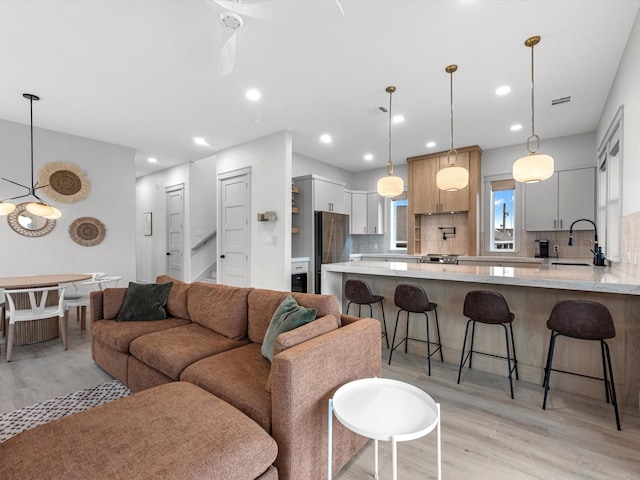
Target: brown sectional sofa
[213, 337]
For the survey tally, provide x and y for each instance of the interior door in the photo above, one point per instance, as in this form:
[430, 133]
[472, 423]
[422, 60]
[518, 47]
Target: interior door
[234, 205]
[175, 231]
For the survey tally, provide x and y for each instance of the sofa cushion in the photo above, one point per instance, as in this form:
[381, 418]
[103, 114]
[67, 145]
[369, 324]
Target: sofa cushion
[238, 377]
[177, 301]
[289, 315]
[118, 335]
[145, 302]
[301, 334]
[171, 351]
[263, 304]
[220, 308]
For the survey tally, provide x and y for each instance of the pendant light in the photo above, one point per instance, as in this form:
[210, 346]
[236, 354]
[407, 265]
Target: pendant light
[534, 167]
[452, 178]
[39, 207]
[390, 186]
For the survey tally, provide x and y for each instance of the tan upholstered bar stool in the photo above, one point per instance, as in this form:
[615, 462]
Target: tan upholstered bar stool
[490, 308]
[358, 292]
[413, 299]
[583, 320]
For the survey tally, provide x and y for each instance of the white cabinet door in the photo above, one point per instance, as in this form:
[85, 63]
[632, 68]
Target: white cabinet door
[375, 209]
[576, 198]
[557, 202]
[358, 213]
[328, 196]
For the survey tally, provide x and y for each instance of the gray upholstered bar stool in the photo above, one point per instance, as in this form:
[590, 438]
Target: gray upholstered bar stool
[490, 308]
[583, 320]
[413, 299]
[358, 292]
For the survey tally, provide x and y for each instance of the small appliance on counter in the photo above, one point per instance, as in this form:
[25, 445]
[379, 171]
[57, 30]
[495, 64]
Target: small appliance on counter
[542, 249]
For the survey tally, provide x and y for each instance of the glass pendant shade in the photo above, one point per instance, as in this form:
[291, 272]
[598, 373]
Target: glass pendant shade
[452, 178]
[55, 215]
[390, 186]
[6, 208]
[39, 209]
[532, 168]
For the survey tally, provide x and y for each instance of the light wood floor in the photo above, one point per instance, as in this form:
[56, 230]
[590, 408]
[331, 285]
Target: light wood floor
[485, 434]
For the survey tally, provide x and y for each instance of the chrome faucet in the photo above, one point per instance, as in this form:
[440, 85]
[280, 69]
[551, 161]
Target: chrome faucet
[598, 255]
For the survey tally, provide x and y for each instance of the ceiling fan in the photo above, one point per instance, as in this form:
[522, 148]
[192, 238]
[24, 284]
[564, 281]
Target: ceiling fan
[232, 20]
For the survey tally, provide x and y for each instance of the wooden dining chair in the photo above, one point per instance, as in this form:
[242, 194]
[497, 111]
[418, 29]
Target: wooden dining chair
[35, 304]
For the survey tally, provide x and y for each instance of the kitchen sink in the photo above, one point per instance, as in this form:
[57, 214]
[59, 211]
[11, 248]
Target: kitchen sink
[571, 263]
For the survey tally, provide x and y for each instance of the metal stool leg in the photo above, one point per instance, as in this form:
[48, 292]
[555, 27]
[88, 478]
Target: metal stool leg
[464, 346]
[393, 340]
[547, 373]
[473, 336]
[506, 339]
[384, 322]
[513, 348]
[426, 316]
[438, 332]
[406, 336]
[612, 385]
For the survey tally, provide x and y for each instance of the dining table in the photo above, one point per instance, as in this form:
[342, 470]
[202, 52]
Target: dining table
[36, 331]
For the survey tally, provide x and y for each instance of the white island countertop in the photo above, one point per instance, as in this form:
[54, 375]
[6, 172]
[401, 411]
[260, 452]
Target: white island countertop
[565, 277]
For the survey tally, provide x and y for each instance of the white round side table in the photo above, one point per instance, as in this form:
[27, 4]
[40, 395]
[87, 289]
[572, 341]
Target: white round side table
[387, 410]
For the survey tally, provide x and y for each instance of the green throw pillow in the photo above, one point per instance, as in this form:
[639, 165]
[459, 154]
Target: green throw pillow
[288, 316]
[145, 302]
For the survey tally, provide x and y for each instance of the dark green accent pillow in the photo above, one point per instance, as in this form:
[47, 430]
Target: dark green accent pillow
[289, 315]
[145, 302]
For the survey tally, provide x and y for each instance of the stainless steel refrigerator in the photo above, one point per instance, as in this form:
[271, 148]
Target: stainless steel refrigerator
[332, 241]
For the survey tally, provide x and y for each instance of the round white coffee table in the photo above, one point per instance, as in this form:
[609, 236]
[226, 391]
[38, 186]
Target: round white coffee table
[387, 410]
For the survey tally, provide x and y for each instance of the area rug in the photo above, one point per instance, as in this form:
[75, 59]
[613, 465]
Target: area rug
[12, 423]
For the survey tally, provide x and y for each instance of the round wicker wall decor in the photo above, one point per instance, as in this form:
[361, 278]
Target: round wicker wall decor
[64, 182]
[87, 231]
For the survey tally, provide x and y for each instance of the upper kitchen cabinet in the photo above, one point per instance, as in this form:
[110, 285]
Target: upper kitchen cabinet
[328, 195]
[367, 213]
[560, 200]
[425, 197]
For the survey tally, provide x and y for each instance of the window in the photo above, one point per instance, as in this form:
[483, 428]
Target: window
[503, 193]
[609, 193]
[398, 221]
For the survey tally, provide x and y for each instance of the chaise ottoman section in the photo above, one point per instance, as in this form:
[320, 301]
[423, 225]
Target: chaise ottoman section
[176, 431]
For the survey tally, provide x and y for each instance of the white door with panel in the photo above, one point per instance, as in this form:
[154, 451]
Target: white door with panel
[175, 231]
[234, 205]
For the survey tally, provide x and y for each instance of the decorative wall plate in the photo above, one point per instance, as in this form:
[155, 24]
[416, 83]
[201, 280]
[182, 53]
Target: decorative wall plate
[87, 231]
[64, 182]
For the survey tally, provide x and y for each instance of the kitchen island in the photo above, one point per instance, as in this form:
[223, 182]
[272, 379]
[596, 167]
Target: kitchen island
[531, 294]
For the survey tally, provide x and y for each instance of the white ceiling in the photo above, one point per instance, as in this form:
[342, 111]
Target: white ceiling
[144, 74]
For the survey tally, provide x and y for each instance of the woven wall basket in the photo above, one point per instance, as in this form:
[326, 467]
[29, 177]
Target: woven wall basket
[64, 182]
[87, 231]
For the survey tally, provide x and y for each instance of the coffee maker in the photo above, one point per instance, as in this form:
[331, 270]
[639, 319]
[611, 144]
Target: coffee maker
[542, 248]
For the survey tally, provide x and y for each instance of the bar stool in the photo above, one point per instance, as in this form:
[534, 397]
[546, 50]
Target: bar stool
[584, 320]
[358, 292]
[413, 299]
[490, 308]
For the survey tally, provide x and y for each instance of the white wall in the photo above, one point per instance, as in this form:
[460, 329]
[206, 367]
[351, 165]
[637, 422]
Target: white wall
[368, 180]
[303, 165]
[270, 160]
[109, 168]
[626, 91]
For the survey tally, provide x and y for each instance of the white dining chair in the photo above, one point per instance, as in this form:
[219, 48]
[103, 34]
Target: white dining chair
[32, 304]
[80, 300]
[103, 282]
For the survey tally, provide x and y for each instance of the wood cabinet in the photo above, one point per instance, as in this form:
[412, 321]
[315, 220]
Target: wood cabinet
[427, 197]
[560, 200]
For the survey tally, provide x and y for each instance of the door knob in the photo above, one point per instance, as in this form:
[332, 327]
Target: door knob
[168, 253]
[222, 256]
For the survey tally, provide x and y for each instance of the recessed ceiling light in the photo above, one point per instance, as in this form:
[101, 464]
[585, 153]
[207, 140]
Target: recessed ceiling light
[398, 119]
[503, 90]
[200, 141]
[326, 138]
[152, 160]
[368, 157]
[516, 127]
[431, 144]
[253, 94]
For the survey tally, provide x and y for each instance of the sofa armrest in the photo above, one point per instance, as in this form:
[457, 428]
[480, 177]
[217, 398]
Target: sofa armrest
[347, 319]
[96, 300]
[304, 378]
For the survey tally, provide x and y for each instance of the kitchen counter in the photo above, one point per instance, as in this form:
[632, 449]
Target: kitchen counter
[531, 294]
